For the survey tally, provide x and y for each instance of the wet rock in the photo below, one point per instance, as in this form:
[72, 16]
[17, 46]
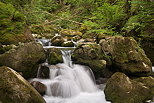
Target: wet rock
[41, 88]
[15, 89]
[126, 55]
[25, 58]
[121, 89]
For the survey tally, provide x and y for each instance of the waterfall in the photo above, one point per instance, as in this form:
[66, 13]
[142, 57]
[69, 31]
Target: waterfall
[71, 83]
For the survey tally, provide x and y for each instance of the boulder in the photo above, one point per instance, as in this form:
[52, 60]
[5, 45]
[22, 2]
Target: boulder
[126, 55]
[41, 88]
[121, 89]
[25, 58]
[54, 56]
[15, 89]
[57, 40]
[90, 54]
[148, 82]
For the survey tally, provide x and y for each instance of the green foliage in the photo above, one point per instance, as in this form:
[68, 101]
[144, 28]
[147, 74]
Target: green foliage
[142, 19]
[109, 17]
[12, 23]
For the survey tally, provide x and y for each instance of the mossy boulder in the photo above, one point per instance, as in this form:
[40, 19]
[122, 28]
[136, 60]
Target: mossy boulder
[25, 58]
[148, 82]
[57, 40]
[121, 89]
[15, 89]
[126, 55]
[88, 51]
[90, 54]
[54, 56]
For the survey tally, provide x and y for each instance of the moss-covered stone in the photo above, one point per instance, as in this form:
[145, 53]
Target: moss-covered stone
[88, 51]
[148, 82]
[126, 55]
[90, 54]
[55, 56]
[15, 89]
[121, 89]
[25, 58]
[57, 40]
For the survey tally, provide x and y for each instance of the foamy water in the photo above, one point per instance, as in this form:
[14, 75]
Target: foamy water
[97, 97]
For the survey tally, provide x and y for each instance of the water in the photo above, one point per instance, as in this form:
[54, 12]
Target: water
[44, 42]
[71, 83]
[153, 69]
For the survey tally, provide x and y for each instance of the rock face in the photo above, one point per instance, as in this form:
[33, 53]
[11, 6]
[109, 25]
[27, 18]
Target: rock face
[15, 89]
[126, 55]
[121, 89]
[25, 58]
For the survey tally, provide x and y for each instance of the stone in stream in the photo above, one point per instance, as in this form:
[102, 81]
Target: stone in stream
[41, 88]
[121, 89]
[15, 89]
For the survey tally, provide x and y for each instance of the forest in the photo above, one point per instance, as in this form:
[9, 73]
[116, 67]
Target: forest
[91, 17]
[76, 51]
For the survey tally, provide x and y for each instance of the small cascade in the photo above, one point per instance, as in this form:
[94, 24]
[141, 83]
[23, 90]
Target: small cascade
[70, 83]
[44, 42]
[66, 54]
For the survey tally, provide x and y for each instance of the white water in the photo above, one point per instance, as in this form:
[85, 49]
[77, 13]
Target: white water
[70, 83]
[153, 69]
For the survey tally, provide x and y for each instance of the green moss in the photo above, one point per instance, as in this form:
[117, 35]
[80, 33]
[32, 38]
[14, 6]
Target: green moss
[12, 24]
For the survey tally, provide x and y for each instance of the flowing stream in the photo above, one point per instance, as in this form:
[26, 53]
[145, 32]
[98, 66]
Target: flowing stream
[70, 83]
